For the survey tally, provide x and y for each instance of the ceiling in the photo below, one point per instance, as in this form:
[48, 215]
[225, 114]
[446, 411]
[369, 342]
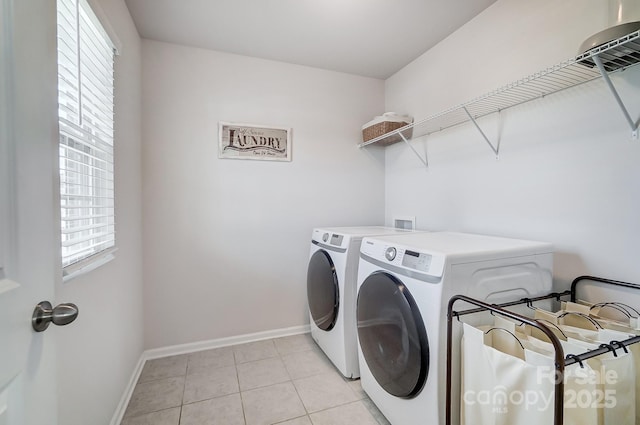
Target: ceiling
[373, 38]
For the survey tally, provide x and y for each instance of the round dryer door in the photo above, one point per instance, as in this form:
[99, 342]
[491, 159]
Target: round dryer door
[392, 335]
[323, 293]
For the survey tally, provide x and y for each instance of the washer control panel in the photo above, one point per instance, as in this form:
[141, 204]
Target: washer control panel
[422, 261]
[327, 237]
[336, 239]
[390, 253]
[417, 260]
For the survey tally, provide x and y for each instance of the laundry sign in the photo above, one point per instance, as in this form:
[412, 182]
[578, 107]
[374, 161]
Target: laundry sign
[246, 141]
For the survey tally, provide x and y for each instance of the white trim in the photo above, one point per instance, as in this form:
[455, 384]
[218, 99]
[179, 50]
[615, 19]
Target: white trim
[106, 26]
[173, 350]
[88, 264]
[7, 145]
[126, 396]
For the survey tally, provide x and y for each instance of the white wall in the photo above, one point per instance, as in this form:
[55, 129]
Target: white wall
[567, 171]
[99, 351]
[226, 242]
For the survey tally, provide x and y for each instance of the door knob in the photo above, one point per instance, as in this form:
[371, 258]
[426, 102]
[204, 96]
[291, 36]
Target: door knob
[61, 315]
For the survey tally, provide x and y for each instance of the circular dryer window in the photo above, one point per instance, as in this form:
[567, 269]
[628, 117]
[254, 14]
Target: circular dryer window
[392, 335]
[322, 290]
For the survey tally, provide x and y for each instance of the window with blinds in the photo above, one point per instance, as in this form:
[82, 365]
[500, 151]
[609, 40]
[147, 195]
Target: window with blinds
[85, 98]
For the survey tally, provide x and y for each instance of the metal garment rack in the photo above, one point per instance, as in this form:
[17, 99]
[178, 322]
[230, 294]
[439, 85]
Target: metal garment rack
[597, 62]
[560, 360]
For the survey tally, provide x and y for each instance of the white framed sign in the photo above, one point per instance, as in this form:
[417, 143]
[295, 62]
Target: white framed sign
[248, 141]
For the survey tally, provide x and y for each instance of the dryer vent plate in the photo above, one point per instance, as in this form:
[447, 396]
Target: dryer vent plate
[405, 222]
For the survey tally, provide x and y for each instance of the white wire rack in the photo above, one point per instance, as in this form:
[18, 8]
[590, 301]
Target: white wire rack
[614, 56]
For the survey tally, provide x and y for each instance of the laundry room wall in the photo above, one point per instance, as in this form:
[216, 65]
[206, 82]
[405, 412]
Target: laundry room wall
[567, 171]
[226, 242]
[98, 353]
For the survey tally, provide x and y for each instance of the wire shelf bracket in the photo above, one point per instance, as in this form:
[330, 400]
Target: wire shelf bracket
[495, 149]
[616, 96]
[423, 160]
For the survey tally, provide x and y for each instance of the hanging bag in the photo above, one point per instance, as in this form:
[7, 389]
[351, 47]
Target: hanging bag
[619, 322]
[579, 379]
[616, 390]
[501, 388]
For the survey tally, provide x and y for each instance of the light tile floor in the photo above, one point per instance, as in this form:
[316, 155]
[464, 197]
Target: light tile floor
[278, 381]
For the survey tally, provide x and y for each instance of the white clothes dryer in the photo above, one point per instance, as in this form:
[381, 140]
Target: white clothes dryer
[404, 285]
[331, 291]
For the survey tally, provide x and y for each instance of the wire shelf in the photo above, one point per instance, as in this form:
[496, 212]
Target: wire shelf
[615, 55]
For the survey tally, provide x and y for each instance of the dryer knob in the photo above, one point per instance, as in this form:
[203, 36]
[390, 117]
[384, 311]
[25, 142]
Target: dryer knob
[390, 253]
[325, 237]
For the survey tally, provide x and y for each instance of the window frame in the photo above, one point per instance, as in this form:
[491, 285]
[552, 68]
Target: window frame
[91, 17]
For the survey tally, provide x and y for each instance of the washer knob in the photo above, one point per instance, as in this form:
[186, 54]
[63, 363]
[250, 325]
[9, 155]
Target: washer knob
[390, 253]
[325, 237]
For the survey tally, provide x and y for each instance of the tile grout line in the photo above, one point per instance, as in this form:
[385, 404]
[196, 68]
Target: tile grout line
[328, 408]
[296, 389]
[308, 415]
[184, 388]
[235, 366]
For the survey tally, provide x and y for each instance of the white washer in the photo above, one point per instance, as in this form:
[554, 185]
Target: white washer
[404, 285]
[331, 291]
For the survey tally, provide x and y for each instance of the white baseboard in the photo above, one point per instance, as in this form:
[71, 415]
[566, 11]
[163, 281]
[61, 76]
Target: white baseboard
[192, 347]
[174, 350]
[126, 396]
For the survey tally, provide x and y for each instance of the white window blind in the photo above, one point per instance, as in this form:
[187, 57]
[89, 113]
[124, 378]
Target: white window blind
[85, 97]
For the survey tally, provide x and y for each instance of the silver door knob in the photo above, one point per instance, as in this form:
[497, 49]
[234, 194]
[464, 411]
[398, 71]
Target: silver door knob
[61, 315]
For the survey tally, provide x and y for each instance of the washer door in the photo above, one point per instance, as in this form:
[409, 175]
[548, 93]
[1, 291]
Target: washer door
[392, 335]
[323, 292]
